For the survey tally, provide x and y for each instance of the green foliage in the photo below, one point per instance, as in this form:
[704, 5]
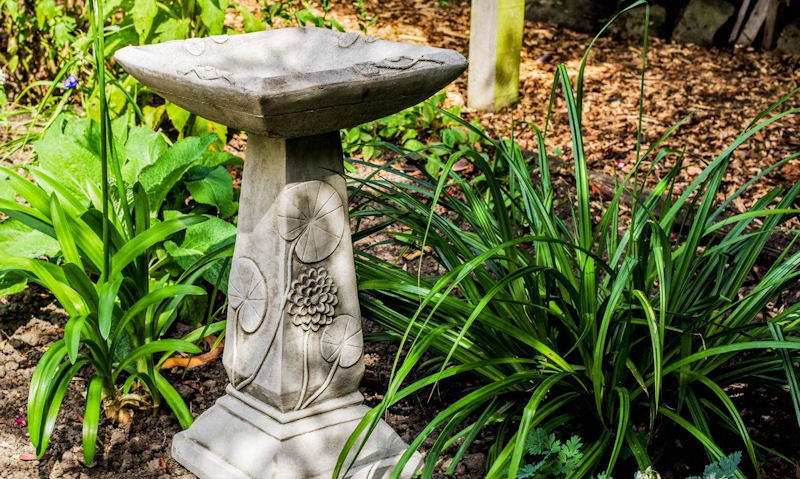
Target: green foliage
[39, 36]
[99, 191]
[420, 127]
[69, 159]
[300, 12]
[115, 325]
[551, 458]
[723, 468]
[622, 324]
[53, 42]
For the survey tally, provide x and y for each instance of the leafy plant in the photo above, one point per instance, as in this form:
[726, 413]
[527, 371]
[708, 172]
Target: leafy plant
[553, 459]
[68, 159]
[66, 61]
[120, 300]
[420, 127]
[622, 325]
[723, 468]
[300, 12]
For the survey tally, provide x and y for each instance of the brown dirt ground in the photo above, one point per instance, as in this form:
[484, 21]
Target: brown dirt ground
[725, 88]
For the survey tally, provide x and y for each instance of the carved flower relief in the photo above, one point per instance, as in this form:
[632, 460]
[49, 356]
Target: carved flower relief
[311, 216]
[312, 298]
[247, 293]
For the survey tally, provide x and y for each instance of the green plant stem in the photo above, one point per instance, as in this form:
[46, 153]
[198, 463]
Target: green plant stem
[99, 48]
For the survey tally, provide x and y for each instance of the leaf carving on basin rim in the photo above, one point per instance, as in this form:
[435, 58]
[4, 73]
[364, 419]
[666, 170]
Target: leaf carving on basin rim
[247, 294]
[312, 215]
[342, 341]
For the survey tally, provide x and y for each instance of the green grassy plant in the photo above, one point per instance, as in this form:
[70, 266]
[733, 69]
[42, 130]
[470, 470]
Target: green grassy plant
[623, 326]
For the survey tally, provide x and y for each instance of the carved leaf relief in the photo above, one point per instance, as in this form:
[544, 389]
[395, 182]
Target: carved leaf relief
[195, 46]
[402, 62]
[312, 215]
[247, 293]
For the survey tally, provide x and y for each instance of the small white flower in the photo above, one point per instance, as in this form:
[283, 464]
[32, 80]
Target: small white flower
[3, 78]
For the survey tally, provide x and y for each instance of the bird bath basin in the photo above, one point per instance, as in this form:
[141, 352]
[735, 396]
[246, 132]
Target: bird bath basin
[294, 81]
[293, 344]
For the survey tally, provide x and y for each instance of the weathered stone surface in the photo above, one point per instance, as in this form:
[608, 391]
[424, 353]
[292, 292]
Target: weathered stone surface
[630, 25]
[700, 21]
[293, 345]
[789, 39]
[269, 82]
[578, 15]
[238, 439]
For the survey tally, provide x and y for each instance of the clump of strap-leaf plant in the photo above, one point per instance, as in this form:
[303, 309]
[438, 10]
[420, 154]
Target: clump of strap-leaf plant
[624, 331]
[120, 300]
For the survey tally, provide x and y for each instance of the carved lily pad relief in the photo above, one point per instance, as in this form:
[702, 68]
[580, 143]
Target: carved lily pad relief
[342, 342]
[312, 217]
[247, 293]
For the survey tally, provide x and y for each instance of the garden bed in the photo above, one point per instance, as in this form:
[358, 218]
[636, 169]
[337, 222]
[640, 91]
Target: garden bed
[725, 88]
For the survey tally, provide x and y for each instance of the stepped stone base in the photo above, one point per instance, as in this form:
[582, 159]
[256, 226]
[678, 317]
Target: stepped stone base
[265, 444]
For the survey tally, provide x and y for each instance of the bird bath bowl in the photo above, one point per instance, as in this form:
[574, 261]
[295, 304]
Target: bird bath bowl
[293, 344]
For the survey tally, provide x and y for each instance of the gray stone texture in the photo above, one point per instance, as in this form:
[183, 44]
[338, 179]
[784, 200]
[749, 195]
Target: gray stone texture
[789, 39]
[578, 15]
[293, 345]
[630, 25]
[700, 21]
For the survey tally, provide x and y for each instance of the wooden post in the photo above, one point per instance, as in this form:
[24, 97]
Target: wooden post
[494, 48]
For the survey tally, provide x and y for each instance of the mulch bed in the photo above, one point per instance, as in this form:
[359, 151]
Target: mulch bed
[725, 89]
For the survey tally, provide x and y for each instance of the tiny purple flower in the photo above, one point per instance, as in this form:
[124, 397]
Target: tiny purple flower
[620, 165]
[70, 82]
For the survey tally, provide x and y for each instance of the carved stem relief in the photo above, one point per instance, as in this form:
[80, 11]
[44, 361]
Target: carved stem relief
[312, 219]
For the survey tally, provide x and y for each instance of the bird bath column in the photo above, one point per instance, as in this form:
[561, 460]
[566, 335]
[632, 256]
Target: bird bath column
[293, 346]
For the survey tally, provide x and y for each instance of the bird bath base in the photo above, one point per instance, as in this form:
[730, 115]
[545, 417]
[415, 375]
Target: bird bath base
[239, 438]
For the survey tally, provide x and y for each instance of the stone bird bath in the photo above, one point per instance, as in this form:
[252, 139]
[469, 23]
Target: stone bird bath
[293, 346]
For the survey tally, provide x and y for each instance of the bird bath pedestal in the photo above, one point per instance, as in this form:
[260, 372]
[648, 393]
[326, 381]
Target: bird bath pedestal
[293, 346]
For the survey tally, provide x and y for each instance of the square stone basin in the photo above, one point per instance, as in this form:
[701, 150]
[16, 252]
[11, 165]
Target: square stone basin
[292, 82]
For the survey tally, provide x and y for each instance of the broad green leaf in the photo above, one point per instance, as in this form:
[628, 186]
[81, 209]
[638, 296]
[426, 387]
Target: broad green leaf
[159, 177]
[142, 148]
[152, 115]
[67, 149]
[202, 126]
[213, 16]
[213, 187]
[172, 29]
[143, 13]
[178, 116]
[199, 240]
[18, 239]
[251, 23]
